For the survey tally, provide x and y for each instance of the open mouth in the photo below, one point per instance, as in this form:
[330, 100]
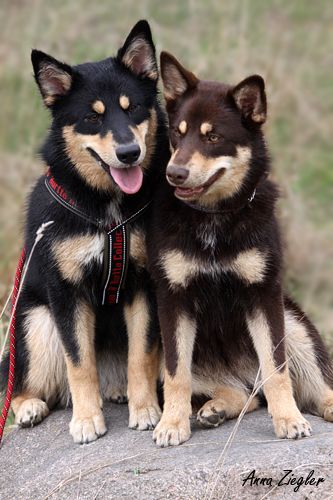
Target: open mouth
[185, 193]
[129, 179]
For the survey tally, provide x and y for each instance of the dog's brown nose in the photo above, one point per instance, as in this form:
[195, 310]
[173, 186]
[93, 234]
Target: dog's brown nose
[176, 175]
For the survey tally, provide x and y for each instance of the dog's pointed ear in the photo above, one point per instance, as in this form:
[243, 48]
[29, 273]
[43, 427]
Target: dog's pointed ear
[138, 52]
[250, 98]
[54, 78]
[176, 79]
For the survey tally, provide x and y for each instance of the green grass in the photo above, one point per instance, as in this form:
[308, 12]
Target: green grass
[287, 42]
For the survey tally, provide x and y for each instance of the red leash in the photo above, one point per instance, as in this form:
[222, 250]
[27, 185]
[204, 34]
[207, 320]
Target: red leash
[12, 346]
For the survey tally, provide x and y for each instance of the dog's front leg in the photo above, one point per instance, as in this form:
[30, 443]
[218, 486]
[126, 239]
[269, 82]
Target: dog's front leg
[178, 334]
[76, 325]
[266, 326]
[143, 366]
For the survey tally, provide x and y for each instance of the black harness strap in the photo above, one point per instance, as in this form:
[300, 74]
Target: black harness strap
[116, 247]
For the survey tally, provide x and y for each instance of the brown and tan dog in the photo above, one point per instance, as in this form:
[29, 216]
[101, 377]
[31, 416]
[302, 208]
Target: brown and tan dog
[216, 256]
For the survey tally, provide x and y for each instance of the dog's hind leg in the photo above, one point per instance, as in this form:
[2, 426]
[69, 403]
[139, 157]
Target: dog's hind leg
[227, 402]
[44, 379]
[310, 366]
[266, 325]
[143, 366]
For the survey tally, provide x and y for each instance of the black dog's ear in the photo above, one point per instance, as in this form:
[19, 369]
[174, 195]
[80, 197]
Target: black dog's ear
[176, 79]
[54, 78]
[138, 52]
[250, 98]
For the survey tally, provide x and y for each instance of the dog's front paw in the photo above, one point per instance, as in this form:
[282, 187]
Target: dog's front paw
[117, 396]
[144, 417]
[31, 412]
[170, 432]
[212, 413]
[87, 429]
[292, 427]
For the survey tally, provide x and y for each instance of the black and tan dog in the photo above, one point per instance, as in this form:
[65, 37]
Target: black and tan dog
[107, 143]
[216, 257]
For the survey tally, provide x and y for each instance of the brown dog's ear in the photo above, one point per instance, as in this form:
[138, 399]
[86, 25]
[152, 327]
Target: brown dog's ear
[138, 52]
[54, 78]
[176, 79]
[250, 98]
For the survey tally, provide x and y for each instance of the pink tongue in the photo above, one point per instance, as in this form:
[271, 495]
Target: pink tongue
[128, 179]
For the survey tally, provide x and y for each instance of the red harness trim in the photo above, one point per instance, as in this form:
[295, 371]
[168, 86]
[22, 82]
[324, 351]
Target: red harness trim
[12, 346]
[117, 262]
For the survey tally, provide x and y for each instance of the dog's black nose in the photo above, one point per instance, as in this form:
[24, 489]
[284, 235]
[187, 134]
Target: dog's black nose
[128, 153]
[177, 175]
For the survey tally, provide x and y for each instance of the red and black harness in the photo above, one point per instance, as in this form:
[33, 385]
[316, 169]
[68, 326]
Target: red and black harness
[116, 248]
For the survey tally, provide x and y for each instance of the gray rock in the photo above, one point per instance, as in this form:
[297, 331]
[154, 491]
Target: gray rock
[43, 462]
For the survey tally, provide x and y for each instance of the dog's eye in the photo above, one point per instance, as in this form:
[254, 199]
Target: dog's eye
[93, 118]
[213, 137]
[133, 107]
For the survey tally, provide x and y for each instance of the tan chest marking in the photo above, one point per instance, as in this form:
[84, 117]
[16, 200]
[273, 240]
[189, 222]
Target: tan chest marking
[73, 254]
[249, 265]
[138, 250]
[180, 270]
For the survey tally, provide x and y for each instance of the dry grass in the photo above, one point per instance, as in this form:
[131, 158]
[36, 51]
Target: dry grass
[287, 42]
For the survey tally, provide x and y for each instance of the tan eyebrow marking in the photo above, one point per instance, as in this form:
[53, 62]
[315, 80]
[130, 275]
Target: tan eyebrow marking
[182, 127]
[124, 102]
[99, 107]
[205, 128]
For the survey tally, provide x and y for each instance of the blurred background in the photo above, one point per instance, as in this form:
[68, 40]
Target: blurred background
[288, 42]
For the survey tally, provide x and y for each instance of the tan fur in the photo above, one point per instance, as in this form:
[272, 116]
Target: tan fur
[49, 100]
[112, 371]
[72, 254]
[311, 391]
[325, 407]
[287, 419]
[203, 168]
[99, 107]
[180, 269]
[182, 127]
[206, 127]
[46, 378]
[138, 250]
[86, 165]
[249, 265]
[28, 410]
[228, 402]
[259, 117]
[143, 367]
[87, 422]
[140, 48]
[124, 102]
[174, 427]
